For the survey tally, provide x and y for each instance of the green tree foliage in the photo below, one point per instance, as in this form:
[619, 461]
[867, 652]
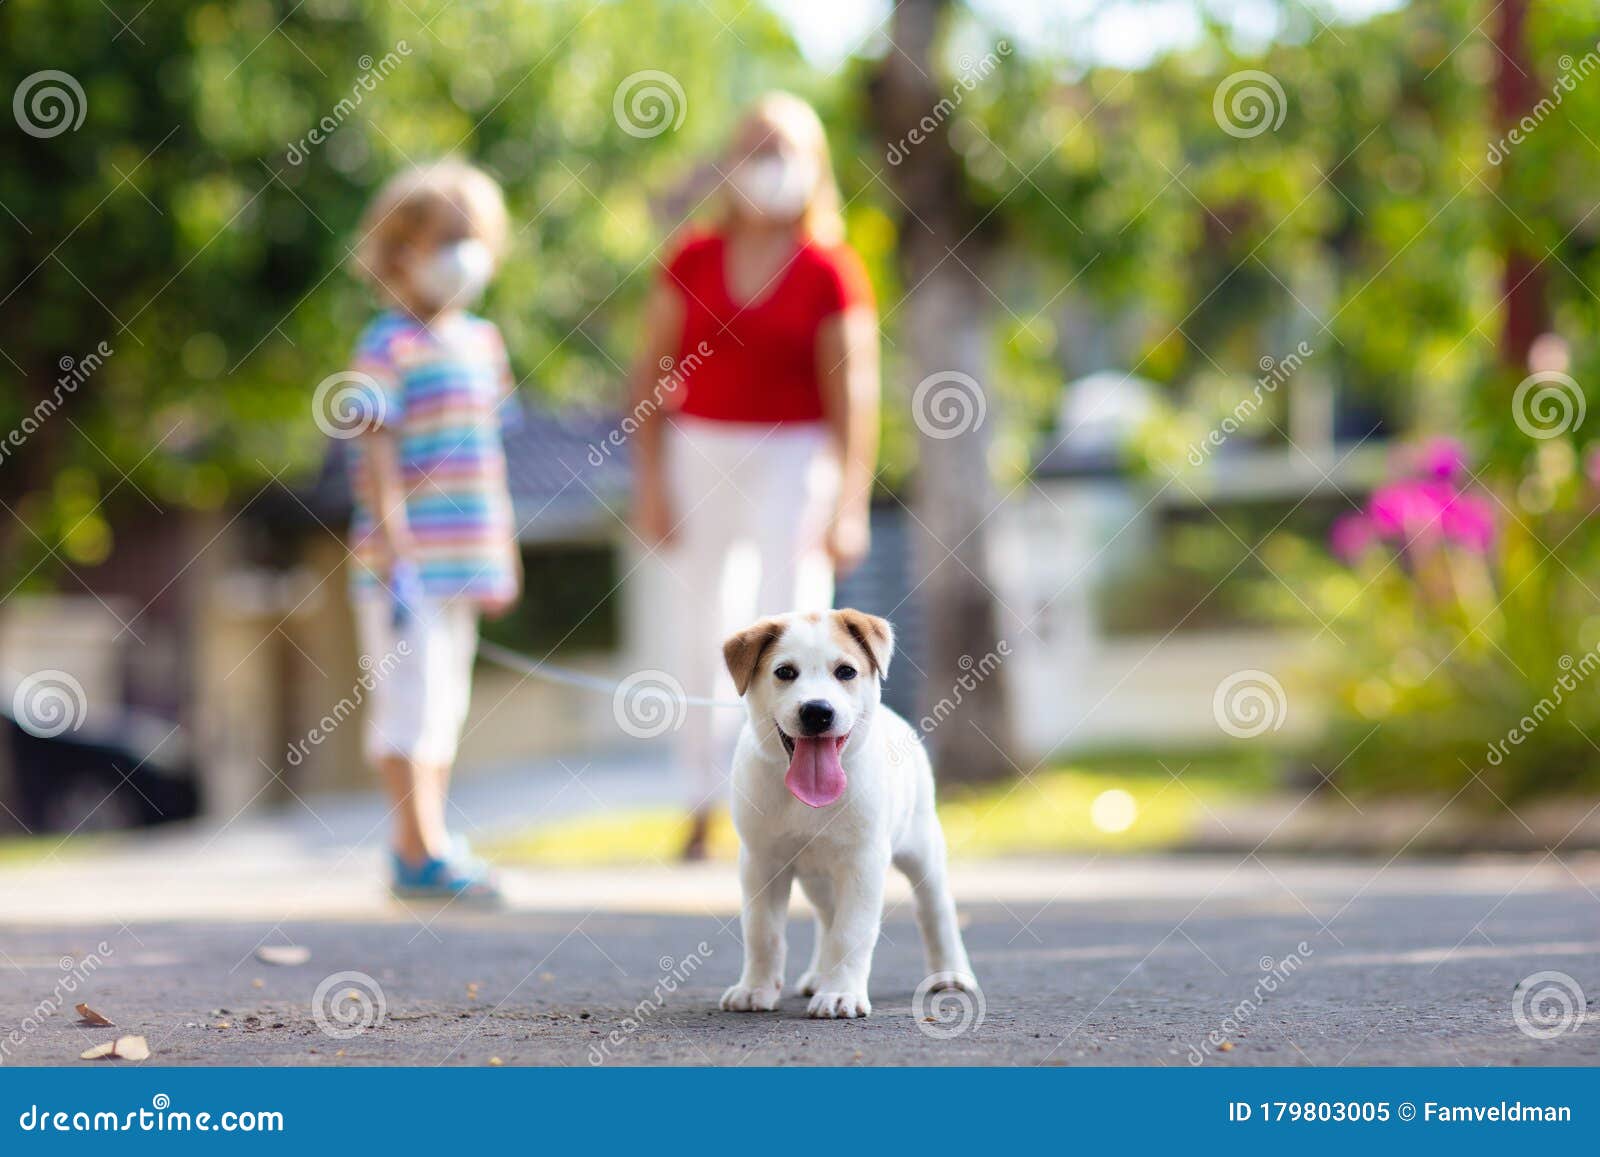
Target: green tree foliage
[198, 219]
[1366, 216]
[195, 224]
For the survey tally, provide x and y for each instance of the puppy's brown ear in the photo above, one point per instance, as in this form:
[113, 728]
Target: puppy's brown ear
[873, 635]
[742, 653]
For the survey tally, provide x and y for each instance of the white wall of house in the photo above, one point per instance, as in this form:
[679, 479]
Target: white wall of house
[1075, 687]
[75, 634]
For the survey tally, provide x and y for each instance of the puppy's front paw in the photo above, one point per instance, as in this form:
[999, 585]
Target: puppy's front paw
[751, 998]
[839, 1005]
[957, 981]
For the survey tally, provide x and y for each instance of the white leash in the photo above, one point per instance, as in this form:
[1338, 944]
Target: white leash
[661, 683]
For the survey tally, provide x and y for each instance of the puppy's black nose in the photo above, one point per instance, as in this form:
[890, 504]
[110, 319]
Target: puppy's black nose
[816, 716]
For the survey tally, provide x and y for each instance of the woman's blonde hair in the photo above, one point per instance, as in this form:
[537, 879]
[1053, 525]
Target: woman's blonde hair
[448, 198]
[797, 122]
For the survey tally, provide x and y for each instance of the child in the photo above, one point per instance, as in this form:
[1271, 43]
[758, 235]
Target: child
[432, 538]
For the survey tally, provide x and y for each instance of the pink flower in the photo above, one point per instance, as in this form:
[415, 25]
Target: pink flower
[1351, 535]
[1444, 459]
[1468, 521]
[1409, 510]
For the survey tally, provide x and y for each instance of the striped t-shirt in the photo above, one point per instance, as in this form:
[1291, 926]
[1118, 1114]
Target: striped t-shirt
[438, 389]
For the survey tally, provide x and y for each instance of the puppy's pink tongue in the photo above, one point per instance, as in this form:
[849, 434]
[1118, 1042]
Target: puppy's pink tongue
[815, 777]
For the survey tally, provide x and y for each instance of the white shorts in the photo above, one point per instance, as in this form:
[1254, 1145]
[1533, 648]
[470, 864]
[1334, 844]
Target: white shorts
[420, 678]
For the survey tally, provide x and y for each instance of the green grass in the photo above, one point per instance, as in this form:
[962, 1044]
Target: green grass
[1053, 810]
[16, 850]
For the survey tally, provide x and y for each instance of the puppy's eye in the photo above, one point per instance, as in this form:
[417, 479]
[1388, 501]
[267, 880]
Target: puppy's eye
[844, 672]
[785, 673]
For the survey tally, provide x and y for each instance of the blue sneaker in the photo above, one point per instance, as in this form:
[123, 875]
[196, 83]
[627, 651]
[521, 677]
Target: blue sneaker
[444, 879]
[461, 855]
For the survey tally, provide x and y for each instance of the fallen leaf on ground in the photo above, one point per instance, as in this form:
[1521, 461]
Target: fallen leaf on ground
[1226, 1046]
[91, 1017]
[124, 1048]
[284, 954]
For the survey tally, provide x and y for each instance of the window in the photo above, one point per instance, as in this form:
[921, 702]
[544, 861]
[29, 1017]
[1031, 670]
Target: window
[570, 602]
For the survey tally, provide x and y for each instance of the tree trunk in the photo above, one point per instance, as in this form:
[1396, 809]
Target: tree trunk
[1522, 279]
[943, 254]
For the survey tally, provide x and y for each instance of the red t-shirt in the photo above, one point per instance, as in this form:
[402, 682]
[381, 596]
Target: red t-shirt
[758, 361]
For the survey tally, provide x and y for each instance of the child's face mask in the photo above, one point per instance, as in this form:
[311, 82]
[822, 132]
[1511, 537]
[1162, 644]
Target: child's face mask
[453, 276]
[776, 185]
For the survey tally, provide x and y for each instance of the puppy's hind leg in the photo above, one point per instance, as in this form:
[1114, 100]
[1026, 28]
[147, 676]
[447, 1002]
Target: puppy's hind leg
[766, 885]
[924, 865]
[819, 890]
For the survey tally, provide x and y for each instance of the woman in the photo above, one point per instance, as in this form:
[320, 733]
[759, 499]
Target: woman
[756, 395]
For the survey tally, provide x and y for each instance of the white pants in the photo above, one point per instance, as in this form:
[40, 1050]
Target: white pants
[418, 680]
[752, 504]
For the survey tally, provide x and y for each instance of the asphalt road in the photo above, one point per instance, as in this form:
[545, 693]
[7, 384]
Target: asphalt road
[1175, 963]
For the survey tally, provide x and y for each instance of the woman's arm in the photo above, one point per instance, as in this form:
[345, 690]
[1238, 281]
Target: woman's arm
[847, 360]
[663, 323]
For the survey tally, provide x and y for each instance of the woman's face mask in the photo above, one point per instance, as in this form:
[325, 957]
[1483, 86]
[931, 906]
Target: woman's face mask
[775, 185]
[453, 276]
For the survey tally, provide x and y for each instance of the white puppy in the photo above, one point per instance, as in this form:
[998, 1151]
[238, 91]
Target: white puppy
[831, 787]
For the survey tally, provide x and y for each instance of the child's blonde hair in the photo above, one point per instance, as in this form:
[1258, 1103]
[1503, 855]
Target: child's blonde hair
[446, 199]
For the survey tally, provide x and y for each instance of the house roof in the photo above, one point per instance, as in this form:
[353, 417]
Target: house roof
[1063, 460]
